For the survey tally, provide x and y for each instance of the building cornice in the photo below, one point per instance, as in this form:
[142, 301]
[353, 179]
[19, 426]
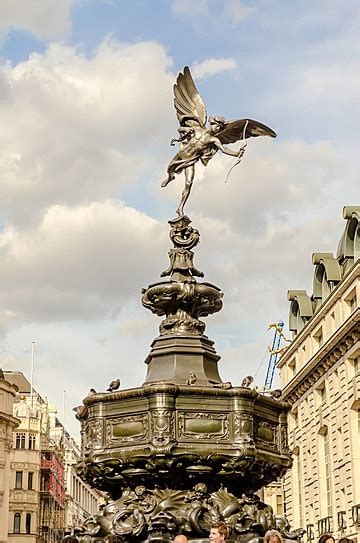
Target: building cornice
[337, 345]
[9, 419]
[320, 314]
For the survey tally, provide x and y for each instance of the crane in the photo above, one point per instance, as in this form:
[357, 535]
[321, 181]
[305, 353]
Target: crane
[275, 352]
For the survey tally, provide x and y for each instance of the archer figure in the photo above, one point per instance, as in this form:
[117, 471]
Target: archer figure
[199, 142]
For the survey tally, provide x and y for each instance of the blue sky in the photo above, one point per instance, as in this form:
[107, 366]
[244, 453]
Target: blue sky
[86, 116]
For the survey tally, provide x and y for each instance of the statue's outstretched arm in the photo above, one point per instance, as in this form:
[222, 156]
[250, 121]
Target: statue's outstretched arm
[226, 150]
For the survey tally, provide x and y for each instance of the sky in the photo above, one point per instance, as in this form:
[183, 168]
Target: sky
[86, 117]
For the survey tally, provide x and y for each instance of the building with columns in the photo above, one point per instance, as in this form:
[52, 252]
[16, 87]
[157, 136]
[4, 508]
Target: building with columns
[7, 424]
[320, 377]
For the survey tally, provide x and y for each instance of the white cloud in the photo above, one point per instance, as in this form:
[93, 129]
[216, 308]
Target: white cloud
[319, 83]
[81, 263]
[43, 18]
[212, 66]
[76, 128]
[237, 11]
[275, 179]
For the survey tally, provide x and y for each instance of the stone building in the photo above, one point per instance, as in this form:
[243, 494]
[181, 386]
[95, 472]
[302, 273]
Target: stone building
[320, 376]
[273, 495]
[80, 499]
[45, 502]
[37, 488]
[7, 424]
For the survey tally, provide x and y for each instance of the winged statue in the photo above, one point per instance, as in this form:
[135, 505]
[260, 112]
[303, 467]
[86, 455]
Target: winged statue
[201, 138]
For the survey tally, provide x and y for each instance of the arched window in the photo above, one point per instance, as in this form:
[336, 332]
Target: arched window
[28, 523]
[17, 523]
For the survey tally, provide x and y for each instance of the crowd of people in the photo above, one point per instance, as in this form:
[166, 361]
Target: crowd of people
[220, 532]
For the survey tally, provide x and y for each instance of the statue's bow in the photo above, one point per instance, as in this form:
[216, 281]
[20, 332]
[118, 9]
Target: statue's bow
[241, 152]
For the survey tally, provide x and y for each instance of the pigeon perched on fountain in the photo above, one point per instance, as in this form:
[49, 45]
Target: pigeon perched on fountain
[114, 385]
[79, 411]
[192, 379]
[247, 381]
[276, 393]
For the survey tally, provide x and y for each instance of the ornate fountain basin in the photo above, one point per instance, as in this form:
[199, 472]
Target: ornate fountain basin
[176, 436]
[182, 303]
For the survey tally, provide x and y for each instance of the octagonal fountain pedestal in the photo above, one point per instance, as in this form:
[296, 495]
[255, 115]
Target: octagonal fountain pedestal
[184, 449]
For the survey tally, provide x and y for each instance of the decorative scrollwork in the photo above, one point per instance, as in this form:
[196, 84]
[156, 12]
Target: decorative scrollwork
[184, 238]
[173, 511]
[162, 426]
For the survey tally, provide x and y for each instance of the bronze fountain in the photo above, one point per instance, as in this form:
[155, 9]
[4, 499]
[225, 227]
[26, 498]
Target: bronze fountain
[184, 449]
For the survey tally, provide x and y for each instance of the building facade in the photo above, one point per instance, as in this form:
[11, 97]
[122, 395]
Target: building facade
[47, 499]
[320, 376]
[81, 501]
[7, 424]
[37, 487]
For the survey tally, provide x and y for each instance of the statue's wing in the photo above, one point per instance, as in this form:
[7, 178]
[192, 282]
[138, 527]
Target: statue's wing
[243, 129]
[187, 101]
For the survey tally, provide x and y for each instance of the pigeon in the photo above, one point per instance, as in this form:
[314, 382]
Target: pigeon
[192, 379]
[114, 385]
[276, 393]
[91, 392]
[227, 384]
[79, 411]
[246, 382]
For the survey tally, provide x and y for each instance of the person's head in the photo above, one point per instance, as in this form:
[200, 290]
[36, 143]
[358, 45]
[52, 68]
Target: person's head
[181, 538]
[219, 532]
[273, 536]
[327, 538]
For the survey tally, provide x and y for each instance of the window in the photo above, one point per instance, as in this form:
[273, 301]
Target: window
[292, 368]
[351, 300]
[32, 441]
[318, 337]
[357, 365]
[321, 393]
[18, 479]
[17, 523]
[309, 460]
[20, 440]
[28, 523]
[300, 503]
[328, 473]
[336, 381]
[353, 304]
[30, 480]
[294, 419]
[339, 444]
[279, 504]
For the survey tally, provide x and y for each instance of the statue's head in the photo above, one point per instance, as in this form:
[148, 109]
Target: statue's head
[216, 123]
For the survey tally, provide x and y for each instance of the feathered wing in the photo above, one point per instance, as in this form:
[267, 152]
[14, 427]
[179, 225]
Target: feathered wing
[187, 101]
[243, 129]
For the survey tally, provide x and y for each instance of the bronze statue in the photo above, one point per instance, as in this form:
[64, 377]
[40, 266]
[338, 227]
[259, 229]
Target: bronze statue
[199, 142]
